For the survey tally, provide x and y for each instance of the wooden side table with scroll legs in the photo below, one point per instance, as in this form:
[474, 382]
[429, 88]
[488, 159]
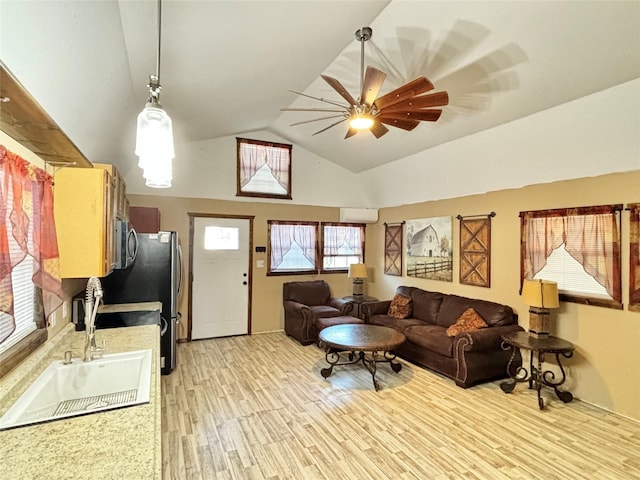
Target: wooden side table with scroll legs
[358, 300]
[536, 377]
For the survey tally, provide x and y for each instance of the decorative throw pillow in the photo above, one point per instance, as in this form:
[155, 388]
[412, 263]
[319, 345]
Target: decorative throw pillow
[467, 322]
[400, 306]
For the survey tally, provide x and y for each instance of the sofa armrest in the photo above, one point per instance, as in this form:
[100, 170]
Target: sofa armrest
[345, 306]
[374, 308]
[485, 338]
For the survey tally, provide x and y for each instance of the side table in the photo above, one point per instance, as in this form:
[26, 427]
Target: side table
[359, 300]
[538, 346]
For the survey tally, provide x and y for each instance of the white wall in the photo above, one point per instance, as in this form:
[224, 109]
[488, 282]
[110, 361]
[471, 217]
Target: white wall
[594, 135]
[207, 169]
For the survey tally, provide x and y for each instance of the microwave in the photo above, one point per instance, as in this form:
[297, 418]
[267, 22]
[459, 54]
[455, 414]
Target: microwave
[126, 245]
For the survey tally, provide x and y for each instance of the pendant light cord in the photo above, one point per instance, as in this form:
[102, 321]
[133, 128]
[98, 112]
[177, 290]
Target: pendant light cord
[159, 37]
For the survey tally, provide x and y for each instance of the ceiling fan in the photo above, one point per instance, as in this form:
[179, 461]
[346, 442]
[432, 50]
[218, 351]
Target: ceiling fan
[405, 107]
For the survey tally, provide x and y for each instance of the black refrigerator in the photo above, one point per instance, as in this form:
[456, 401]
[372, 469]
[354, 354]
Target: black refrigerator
[154, 276]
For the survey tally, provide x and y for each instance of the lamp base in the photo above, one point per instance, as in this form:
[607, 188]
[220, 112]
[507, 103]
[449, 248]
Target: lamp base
[539, 323]
[358, 286]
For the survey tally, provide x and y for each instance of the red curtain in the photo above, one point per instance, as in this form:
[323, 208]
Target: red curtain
[590, 235]
[26, 199]
[253, 154]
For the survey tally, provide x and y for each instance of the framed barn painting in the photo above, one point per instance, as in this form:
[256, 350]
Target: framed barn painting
[430, 248]
[475, 251]
[393, 249]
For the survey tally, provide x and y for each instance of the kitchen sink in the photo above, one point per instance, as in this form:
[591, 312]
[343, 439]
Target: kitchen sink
[78, 388]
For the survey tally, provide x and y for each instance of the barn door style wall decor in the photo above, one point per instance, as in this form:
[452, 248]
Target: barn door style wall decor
[393, 249]
[634, 257]
[475, 250]
[430, 248]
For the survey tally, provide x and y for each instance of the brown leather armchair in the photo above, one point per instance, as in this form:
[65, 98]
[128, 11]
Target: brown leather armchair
[304, 302]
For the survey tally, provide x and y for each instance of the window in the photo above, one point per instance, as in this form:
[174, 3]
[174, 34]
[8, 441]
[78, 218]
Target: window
[292, 247]
[264, 169]
[579, 248]
[30, 289]
[220, 238]
[342, 244]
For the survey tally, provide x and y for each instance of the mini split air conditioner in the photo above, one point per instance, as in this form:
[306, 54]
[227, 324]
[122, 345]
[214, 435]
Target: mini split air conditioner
[359, 215]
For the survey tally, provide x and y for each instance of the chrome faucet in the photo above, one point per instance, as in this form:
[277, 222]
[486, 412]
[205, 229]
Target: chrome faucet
[92, 299]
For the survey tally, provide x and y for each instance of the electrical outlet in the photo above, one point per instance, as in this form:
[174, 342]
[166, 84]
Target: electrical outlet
[260, 264]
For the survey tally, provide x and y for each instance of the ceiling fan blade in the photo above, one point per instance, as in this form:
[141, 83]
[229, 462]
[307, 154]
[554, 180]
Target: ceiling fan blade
[403, 124]
[319, 99]
[332, 125]
[373, 80]
[408, 90]
[314, 120]
[337, 86]
[423, 115]
[437, 99]
[312, 110]
[378, 129]
[350, 133]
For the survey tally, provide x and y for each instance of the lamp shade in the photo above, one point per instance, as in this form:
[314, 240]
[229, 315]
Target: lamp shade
[540, 293]
[357, 270]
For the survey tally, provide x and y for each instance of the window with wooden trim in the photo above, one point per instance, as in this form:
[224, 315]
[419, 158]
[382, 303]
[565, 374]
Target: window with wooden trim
[292, 248]
[634, 257]
[579, 248]
[342, 245]
[264, 169]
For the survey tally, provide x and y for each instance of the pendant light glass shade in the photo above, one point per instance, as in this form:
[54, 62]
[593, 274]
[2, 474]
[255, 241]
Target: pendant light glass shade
[154, 146]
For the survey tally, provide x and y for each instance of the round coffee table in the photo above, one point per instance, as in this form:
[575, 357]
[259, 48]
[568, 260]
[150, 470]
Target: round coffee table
[363, 344]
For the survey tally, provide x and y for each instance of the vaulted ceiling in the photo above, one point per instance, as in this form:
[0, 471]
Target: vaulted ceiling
[227, 66]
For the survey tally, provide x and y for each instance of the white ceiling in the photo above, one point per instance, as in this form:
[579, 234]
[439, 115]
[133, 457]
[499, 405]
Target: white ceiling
[227, 66]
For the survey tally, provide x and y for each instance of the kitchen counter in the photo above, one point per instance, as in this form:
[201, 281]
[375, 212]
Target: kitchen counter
[116, 444]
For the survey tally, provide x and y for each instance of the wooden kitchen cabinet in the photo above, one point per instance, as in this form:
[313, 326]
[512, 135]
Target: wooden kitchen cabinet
[83, 211]
[119, 198]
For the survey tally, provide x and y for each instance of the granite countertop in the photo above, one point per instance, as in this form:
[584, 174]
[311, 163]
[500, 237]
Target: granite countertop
[115, 444]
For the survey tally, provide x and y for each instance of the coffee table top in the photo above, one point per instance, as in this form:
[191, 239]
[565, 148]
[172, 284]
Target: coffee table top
[362, 337]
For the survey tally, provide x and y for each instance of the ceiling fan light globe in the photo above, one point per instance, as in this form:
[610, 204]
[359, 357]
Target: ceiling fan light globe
[361, 122]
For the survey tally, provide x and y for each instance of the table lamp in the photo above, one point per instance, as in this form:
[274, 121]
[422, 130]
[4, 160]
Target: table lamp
[358, 271]
[540, 295]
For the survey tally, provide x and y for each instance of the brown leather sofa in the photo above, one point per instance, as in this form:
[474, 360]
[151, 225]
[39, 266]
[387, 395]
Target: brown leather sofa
[304, 302]
[468, 358]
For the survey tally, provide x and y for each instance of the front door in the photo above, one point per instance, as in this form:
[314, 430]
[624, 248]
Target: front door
[221, 277]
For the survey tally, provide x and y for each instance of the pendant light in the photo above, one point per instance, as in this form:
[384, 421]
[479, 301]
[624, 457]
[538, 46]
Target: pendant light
[154, 139]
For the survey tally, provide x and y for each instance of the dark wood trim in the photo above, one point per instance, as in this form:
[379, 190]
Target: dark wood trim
[16, 354]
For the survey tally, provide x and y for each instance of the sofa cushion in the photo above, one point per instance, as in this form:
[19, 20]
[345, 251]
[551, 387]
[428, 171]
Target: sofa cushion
[400, 324]
[494, 314]
[400, 306]
[426, 304]
[431, 337]
[467, 322]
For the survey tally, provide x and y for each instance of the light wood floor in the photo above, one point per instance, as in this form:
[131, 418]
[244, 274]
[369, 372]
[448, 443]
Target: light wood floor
[256, 407]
